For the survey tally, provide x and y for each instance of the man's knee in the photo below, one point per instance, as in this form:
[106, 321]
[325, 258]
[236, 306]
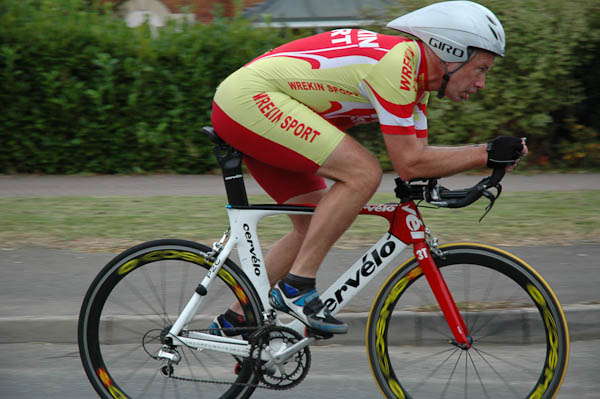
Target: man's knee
[353, 164]
[366, 175]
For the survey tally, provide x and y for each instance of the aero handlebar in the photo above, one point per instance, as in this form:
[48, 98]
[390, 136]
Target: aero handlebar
[440, 196]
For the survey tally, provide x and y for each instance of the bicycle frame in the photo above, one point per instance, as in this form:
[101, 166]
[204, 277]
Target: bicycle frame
[406, 227]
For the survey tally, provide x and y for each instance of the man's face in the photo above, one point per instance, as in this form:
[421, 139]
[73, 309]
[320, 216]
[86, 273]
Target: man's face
[470, 78]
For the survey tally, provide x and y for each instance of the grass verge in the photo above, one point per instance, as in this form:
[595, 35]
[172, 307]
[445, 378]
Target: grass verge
[115, 223]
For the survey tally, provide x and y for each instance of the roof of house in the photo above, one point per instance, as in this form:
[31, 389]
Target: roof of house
[292, 13]
[202, 9]
[312, 13]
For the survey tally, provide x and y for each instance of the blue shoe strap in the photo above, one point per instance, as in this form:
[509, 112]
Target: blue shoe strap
[289, 290]
[306, 298]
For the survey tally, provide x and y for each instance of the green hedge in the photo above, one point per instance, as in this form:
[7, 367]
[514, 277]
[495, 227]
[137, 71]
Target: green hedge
[80, 92]
[545, 88]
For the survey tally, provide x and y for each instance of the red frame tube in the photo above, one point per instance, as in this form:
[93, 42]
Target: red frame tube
[442, 294]
[407, 224]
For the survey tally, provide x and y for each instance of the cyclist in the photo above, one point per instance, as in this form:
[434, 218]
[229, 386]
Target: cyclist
[287, 111]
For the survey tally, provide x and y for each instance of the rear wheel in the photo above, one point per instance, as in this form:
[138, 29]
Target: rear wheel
[520, 339]
[130, 307]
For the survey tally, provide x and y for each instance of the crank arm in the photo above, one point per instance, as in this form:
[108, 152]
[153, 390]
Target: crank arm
[284, 355]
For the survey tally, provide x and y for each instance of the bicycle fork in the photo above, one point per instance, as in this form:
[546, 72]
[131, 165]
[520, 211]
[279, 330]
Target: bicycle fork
[462, 337]
[407, 224]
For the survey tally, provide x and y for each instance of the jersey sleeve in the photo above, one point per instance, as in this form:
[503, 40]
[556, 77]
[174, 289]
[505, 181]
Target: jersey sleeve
[420, 116]
[391, 87]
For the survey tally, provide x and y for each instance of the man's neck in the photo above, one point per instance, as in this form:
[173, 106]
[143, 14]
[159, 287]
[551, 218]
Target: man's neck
[435, 71]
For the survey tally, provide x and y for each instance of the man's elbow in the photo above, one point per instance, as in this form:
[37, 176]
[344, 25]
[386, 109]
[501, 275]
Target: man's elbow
[406, 170]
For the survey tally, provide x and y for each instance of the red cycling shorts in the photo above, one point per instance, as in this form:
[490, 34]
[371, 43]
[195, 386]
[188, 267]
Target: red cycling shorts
[284, 142]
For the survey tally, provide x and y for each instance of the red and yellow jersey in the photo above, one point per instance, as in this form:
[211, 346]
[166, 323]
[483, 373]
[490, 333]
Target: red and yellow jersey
[353, 76]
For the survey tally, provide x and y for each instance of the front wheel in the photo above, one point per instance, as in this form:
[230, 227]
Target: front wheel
[520, 338]
[132, 304]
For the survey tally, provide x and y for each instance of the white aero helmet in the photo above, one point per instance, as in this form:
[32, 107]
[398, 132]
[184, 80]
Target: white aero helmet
[450, 28]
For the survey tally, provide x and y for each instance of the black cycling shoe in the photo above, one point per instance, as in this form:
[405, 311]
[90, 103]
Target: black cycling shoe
[227, 324]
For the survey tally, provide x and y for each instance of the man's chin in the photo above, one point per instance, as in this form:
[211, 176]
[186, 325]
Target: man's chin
[458, 99]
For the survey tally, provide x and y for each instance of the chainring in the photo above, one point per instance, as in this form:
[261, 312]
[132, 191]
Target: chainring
[279, 376]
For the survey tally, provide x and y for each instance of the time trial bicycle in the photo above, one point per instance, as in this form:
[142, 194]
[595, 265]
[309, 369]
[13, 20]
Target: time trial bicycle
[447, 323]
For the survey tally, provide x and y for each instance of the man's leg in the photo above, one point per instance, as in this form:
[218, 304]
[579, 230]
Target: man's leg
[282, 254]
[307, 144]
[357, 175]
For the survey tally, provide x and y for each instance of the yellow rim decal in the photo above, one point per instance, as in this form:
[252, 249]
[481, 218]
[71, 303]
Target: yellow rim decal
[400, 286]
[237, 289]
[162, 255]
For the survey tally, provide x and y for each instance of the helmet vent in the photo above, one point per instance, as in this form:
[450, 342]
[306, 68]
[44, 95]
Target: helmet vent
[493, 32]
[491, 20]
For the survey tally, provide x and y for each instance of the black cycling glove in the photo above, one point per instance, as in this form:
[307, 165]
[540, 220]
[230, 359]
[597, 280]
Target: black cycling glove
[504, 151]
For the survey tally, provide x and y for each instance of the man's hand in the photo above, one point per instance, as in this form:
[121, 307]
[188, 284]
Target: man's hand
[505, 152]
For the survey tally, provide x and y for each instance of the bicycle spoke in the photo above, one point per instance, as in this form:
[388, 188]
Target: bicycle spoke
[119, 357]
[154, 292]
[426, 302]
[467, 293]
[134, 372]
[128, 312]
[149, 383]
[451, 376]
[191, 370]
[435, 370]
[495, 357]
[493, 278]
[478, 375]
[506, 383]
[204, 367]
[184, 280]
[428, 357]
[163, 286]
[134, 311]
[489, 290]
[142, 298]
[482, 338]
[466, 387]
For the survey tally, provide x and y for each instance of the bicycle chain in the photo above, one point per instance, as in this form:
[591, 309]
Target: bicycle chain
[252, 362]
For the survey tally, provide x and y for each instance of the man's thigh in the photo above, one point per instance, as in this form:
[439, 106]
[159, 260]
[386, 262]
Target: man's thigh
[284, 141]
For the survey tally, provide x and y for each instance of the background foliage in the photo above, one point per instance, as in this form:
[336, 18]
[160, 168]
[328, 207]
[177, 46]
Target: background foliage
[81, 92]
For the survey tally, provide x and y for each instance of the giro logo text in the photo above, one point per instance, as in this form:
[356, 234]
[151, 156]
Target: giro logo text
[457, 52]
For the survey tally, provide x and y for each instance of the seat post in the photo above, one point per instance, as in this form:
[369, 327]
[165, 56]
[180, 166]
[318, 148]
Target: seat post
[230, 161]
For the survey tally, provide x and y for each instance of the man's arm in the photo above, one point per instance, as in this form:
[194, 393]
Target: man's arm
[412, 157]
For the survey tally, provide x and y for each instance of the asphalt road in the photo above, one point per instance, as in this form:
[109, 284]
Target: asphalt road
[43, 284]
[53, 371]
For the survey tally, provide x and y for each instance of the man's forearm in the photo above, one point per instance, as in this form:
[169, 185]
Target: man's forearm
[413, 159]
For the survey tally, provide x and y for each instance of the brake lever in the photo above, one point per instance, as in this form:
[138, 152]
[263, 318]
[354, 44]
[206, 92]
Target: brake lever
[492, 198]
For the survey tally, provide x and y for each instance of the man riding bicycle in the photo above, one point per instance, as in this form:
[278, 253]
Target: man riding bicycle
[287, 111]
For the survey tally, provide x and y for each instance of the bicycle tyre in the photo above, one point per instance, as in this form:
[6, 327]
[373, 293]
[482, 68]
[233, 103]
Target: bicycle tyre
[135, 298]
[409, 342]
